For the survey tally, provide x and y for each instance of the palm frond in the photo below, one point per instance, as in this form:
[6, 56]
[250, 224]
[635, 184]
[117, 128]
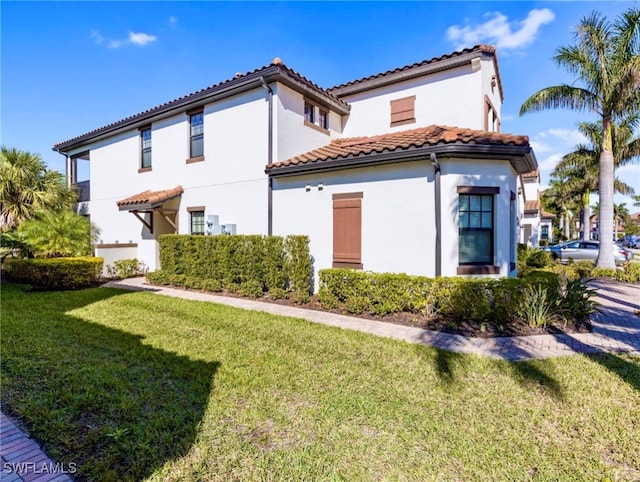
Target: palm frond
[560, 96]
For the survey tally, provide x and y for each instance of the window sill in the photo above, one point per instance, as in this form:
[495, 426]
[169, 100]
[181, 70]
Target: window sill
[316, 127]
[478, 269]
[191, 160]
[343, 264]
[144, 169]
[402, 122]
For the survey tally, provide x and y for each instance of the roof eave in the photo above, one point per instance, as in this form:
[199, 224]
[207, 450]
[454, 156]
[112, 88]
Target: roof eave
[415, 72]
[520, 157]
[233, 87]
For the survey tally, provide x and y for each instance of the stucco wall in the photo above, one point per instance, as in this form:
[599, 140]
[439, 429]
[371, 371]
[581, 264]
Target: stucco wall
[229, 182]
[452, 98]
[484, 173]
[292, 136]
[398, 216]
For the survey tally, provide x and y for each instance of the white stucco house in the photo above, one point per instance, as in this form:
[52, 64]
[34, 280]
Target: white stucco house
[535, 224]
[401, 171]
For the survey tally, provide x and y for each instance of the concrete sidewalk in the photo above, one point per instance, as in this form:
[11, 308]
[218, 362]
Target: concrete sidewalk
[616, 328]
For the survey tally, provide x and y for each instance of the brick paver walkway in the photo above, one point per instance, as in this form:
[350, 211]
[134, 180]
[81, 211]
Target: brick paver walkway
[616, 329]
[23, 460]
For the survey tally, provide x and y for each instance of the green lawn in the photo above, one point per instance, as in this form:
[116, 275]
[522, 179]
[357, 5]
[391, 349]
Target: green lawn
[135, 385]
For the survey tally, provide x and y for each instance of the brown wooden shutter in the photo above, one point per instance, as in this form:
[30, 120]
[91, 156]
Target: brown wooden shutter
[403, 111]
[347, 230]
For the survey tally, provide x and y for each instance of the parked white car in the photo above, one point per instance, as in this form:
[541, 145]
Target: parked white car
[586, 250]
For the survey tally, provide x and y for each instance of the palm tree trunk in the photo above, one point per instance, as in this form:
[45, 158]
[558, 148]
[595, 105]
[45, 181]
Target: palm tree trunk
[586, 217]
[605, 190]
[567, 225]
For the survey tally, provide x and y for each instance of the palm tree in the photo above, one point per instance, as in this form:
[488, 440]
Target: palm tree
[559, 199]
[621, 213]
[61, 233]
[579, 169]
[27, 187]
[607, 64]
[636, 200]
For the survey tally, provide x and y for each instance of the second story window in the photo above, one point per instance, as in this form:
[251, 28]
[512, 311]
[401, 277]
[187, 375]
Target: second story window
[196, 122]
[145, 154]
[323, 119]
[309, 113]
[316, 117]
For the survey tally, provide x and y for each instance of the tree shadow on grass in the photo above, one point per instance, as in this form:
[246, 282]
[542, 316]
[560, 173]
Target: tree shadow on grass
[94, 395]
[450, 366]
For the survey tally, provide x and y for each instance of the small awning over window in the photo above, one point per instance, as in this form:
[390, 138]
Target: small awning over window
[149, 199]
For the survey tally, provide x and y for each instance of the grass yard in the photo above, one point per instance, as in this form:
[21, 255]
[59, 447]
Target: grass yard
[132, 385]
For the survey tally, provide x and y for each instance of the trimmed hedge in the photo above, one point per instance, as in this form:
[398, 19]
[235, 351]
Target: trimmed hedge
[478, 299]
[53, 274]
[249, 265]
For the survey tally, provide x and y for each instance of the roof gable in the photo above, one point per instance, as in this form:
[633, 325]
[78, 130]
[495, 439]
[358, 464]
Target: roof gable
[419, 69]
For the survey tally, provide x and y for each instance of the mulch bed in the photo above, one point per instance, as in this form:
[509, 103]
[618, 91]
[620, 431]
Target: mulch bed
[438, 323]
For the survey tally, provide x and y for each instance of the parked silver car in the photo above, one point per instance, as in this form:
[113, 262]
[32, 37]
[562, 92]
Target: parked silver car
[586, 250]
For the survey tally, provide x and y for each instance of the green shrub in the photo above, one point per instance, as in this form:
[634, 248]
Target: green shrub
[463, 298]
[536, 308]
[576, 300]
[160, 277]
[298, 267]
[278, 294]
[531, 258]
[604, 273]
[248, 265]
[584, 268]
[126, 268]
[386, 292]
[629, 273]
[458, 299]
[252, 289]
[53, 274]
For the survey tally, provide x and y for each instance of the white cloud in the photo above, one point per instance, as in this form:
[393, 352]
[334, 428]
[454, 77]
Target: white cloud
[141, 38]
[570, 138]
[173, 20]
[499, 31]
[563, 140]
[549, 163]
[95, 35]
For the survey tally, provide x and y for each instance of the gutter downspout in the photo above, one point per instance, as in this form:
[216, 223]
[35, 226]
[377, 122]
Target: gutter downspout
[269, 158]
[437, 193]
[67, 165]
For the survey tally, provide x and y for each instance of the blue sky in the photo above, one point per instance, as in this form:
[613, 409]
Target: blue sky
[71, 67]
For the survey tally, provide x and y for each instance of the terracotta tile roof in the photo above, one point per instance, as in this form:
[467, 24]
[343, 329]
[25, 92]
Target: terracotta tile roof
[531, 175]
[482, 48]
[149, 198]
[532, 206]
[545, 214]
[194, 96]
[399, 141]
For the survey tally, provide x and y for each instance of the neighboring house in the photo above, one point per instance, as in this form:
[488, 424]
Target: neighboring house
[536, 224]
[402, 171]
